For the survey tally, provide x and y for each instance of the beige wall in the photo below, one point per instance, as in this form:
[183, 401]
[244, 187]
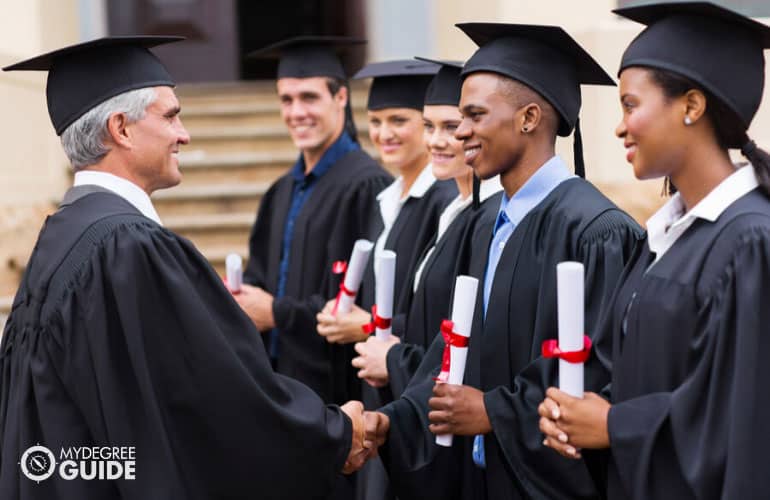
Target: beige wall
[32, 164]
[32, 171]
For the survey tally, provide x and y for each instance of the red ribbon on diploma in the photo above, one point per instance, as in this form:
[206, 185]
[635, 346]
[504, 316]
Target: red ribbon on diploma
[377, 322]
[340, 267]
[551, 349]
[227, 285]
[451, 338]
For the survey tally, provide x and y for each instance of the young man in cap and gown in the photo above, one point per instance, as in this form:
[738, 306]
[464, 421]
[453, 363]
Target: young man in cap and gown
[310, 217]
[521, 89]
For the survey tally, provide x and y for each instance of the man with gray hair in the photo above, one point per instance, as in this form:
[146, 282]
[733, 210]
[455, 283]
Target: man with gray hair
[122, 337]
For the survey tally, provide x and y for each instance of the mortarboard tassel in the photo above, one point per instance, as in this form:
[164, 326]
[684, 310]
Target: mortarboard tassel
[476, 191]
[580, 169]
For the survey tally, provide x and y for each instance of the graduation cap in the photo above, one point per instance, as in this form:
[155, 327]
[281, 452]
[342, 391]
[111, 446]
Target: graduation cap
[308, 56]
[85, 75]
[545, 59]
[444, 88]
[714, 47]
[398, 84]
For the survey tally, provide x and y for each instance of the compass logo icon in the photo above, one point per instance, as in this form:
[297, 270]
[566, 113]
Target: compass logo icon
[38, 463]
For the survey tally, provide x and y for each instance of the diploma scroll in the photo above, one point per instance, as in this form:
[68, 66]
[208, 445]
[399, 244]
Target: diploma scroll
[571, 305]
[456, 334]
[385, 276]
[234, 272]
[354, 272]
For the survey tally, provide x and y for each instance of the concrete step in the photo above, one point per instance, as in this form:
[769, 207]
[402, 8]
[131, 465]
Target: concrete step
[201, 168]
[213, 230]
[232, 92]
[243, 138]
[263, 92]
[218, 199]
[242, 113]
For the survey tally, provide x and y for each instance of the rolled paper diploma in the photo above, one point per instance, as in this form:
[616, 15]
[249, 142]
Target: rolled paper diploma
[234, 272]
[346, 297]
[571, 305]
[463, 307]
[385, 276]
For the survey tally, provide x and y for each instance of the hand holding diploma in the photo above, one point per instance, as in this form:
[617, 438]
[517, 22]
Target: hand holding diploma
[456, 333]
[457, 409]
[354, 272]
[372, 359]
[569, 418]
[342, 328]
[570, 424]
[258, 305]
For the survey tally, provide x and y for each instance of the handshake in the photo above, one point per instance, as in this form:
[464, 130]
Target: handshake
[370, 429]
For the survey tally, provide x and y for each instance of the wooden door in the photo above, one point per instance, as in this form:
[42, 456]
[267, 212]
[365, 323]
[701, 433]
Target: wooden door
[210, 52]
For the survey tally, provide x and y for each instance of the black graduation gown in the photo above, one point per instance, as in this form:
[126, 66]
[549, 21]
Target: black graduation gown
[431, 302]
[574, 222]
[413, 230]
[123, 335]
[334, 216]
[688, 418]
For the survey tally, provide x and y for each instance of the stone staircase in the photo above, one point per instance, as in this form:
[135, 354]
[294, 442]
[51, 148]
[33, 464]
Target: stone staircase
[239, 146]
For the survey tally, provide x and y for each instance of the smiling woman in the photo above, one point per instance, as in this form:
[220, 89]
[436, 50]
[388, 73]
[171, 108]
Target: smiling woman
[397, 133]
[410, 207]
[409, 211]
[684, 340]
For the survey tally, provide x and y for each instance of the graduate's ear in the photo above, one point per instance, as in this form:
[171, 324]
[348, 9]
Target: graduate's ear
[341, 97]
[694, 106]
[531, 116]
[117, 130]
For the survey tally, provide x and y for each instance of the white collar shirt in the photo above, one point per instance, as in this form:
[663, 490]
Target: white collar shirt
[120, 186]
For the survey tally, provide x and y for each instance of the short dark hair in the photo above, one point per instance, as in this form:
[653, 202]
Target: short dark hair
[335, 84]
[519, 94]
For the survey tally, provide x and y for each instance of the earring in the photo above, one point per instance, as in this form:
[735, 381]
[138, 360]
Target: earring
[525, 130]
[687, 120]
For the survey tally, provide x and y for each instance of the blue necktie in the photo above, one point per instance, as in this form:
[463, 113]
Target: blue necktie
[503, 230]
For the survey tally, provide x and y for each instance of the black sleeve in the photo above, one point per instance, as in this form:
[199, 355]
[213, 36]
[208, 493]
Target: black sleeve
[709, 436]
[255, 273]
[298, 315]
[402, 362]
[604, 249]
[177, 368]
